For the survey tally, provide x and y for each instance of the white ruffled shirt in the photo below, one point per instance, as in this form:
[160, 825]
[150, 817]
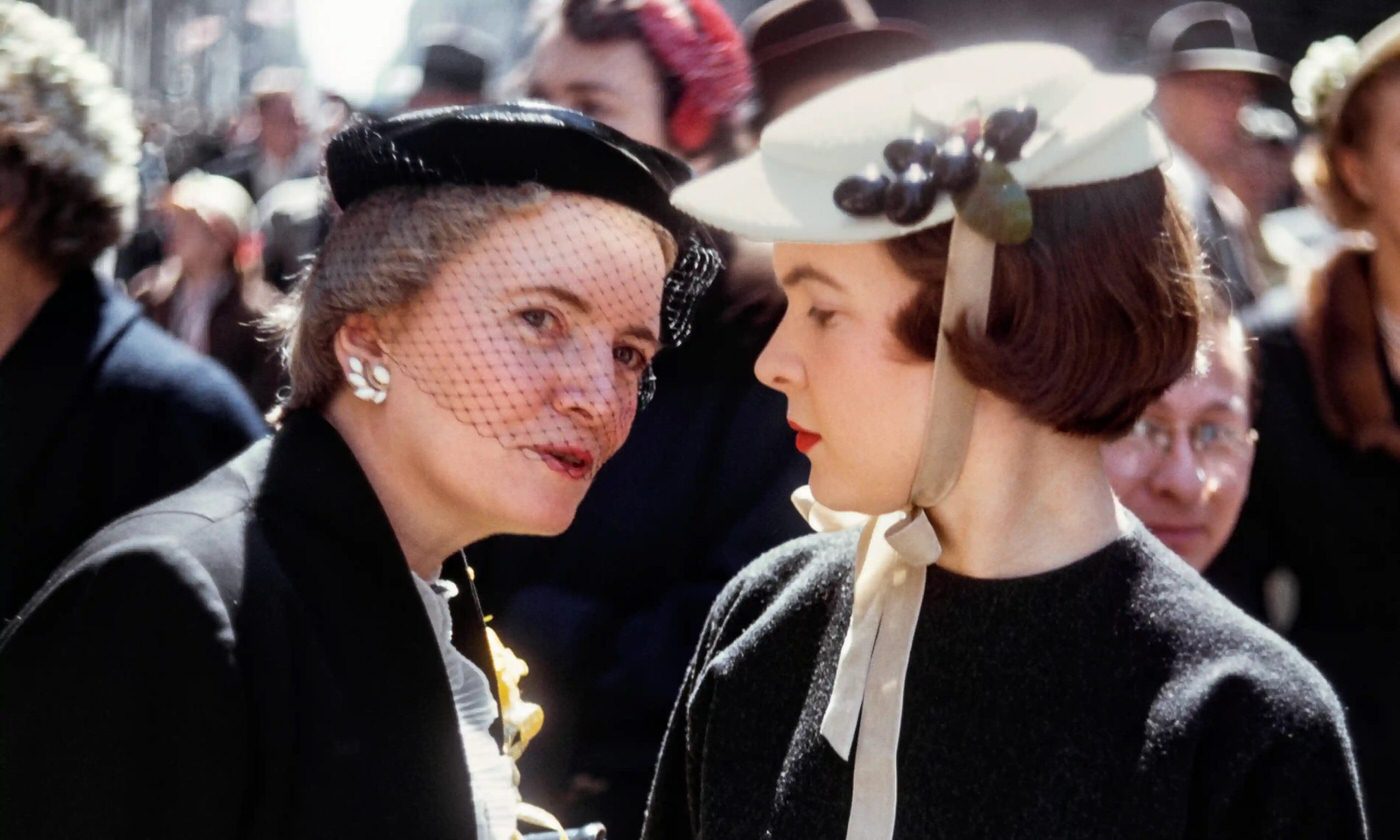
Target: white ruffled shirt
[492, 774]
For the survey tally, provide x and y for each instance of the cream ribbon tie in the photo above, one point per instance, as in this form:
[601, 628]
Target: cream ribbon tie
[895, 552]
[893, 557]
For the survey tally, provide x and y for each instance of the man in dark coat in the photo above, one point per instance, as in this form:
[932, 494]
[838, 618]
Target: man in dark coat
[100, 412]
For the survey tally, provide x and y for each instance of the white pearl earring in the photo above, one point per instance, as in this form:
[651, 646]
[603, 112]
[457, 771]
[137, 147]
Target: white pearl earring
[373, 387]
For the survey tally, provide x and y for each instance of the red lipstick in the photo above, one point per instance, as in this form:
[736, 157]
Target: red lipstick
[805, 439]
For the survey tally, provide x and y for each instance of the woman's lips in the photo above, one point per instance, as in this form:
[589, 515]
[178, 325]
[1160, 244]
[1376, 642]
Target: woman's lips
[572, 461]
[805, 439]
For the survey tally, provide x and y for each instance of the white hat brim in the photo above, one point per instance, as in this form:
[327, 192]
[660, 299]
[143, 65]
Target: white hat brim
[1101, 133]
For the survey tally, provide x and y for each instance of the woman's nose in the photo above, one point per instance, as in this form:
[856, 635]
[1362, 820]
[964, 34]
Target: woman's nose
[590, 389]
[778, 366]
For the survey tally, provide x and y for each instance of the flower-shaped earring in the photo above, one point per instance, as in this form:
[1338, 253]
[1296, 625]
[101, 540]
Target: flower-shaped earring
[373, 387]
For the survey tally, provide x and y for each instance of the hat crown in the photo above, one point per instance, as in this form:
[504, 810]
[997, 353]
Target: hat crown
[1202, 25]
[1091, 127]
[847, 128]
[785, 20]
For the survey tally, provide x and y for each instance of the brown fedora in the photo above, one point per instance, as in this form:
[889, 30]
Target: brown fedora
[793, 40]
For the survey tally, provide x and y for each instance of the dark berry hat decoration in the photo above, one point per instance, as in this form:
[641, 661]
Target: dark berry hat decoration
[968, 163]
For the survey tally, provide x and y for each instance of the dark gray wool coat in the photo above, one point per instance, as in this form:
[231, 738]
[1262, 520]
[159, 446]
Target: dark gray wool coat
[1117, 697]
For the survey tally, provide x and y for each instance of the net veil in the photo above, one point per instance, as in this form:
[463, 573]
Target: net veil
[540, 331]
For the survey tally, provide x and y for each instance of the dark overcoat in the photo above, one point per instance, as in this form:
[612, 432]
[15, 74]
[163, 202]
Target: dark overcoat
[101, 412]
[1323, 509]
[248, 658]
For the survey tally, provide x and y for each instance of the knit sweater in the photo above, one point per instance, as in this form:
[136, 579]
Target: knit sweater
[1118, 696]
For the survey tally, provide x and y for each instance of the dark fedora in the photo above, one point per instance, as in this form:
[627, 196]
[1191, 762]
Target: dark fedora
[1208, 36]
[791, 40]
[457, 58]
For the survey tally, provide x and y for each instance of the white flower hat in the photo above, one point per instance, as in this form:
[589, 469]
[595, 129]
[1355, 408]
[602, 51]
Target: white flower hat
[1327, 76]
[59, 108]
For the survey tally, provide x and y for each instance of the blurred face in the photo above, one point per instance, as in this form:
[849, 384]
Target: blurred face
[856, 396]
[1373, 171]
[282, 130]
[200, 246]
[614, 82]
[1184, 469]
[1200, 112]
[516, 372]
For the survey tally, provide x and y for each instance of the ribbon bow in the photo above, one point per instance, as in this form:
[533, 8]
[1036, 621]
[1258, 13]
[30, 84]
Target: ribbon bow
[894, 554]
[892, 560]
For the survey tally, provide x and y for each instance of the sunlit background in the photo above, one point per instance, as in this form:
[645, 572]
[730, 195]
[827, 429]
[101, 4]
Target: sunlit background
[194, 59]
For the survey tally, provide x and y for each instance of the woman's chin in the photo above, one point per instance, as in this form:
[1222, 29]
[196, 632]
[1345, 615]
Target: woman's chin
[546, 513]
[842, 496]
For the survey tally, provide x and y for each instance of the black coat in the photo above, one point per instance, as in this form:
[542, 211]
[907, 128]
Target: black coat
[1117, 697]
[100, 412]
[1326, 511]
[246, 659]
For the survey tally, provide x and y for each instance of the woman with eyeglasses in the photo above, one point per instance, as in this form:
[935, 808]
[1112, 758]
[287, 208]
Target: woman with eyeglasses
[1184, 467]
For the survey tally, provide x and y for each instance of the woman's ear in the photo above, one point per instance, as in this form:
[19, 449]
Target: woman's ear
[359, 336]
[1353, 170]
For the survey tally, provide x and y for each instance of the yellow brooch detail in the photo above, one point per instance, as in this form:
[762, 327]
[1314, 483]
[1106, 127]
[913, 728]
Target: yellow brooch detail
[520, 723]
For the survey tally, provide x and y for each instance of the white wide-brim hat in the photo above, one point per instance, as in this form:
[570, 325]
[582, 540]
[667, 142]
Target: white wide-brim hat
[1092, 127]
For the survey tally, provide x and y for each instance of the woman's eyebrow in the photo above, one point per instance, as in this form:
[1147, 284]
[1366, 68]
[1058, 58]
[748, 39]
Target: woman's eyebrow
[563, 295]
[803, 273]
[643, 333]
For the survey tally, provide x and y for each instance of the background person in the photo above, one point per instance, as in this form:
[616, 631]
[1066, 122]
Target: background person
[1324, 503]
[100, 411]
[1183, 469]
[208, 290]
[1208, 68]
[803, 47]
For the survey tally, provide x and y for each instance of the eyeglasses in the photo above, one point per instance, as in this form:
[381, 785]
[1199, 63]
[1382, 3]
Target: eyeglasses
[1220, 448]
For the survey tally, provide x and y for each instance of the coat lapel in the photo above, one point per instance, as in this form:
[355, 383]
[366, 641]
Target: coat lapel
[331, 534]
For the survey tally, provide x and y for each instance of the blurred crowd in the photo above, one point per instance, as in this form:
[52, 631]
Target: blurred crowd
[131, 360]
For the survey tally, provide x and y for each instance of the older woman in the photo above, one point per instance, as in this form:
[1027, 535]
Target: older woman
[1325, 503]
[986, 278]
[272, 652]
[100, 412]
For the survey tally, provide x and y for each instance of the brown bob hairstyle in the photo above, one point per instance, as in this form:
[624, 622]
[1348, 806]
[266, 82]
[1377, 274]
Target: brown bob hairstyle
[1091, 319]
